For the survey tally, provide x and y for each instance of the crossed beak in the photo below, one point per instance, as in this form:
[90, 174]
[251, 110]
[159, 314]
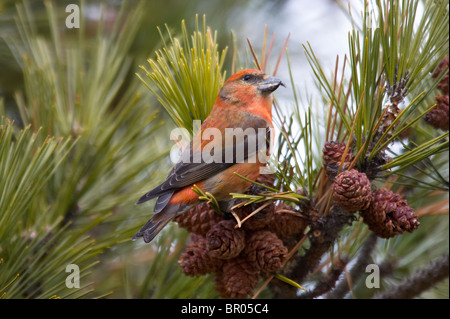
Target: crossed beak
[270, 84]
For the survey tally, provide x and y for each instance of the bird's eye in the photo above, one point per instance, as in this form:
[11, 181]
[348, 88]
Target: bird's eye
[247, 77]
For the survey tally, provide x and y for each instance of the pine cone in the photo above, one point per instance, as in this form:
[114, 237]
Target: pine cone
[286, 225]
[265, 251]
[443, 86]
[442, 67]
[404, 219]
[352, 190]
[237, 280]
[199, 219]
[220, 285]
[257, 221]
[195, 260]
[438, 117]
[332, 156]
[224, 241]
[389, 215]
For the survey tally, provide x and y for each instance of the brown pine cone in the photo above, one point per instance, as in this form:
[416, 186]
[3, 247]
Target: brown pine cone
[352, 190]
[442, 67]
[438, 117]
[224, 241]
[284, 224]
[389, 215]
[257, 221]
[404, 219]
[238, 279]
[195, 260]
[265, 251]
[443, 86]
[199, 219]
[220, 285]
[332, 156]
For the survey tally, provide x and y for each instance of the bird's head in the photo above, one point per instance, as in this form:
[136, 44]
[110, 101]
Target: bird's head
[247, 88]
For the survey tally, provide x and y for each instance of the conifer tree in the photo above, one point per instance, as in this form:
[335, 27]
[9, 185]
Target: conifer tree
[359, 171]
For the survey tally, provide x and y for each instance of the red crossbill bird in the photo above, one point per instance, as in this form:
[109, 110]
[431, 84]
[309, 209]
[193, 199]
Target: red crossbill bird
[244, 102]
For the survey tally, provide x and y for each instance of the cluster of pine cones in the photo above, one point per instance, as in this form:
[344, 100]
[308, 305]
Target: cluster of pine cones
[385, 212]
[239, 256]
[438, 117]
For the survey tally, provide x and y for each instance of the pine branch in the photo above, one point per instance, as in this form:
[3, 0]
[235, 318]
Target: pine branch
[327, 282]
[357, 270]
[186, 75]
[322, 236]
[63, 202]
[420, 281]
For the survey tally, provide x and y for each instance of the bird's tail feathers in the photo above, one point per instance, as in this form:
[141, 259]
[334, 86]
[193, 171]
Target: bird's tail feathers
[152, 228]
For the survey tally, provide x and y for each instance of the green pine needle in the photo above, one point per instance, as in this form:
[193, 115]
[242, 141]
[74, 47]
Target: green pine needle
[186, 74]
[288, 281]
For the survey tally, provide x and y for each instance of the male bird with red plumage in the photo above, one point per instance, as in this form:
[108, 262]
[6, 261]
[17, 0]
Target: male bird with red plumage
[244, 102]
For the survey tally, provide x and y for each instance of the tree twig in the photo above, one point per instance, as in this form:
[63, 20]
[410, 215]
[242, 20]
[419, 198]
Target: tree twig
[323, 233]
[418, 282]
[364, 254]
[327, 282]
